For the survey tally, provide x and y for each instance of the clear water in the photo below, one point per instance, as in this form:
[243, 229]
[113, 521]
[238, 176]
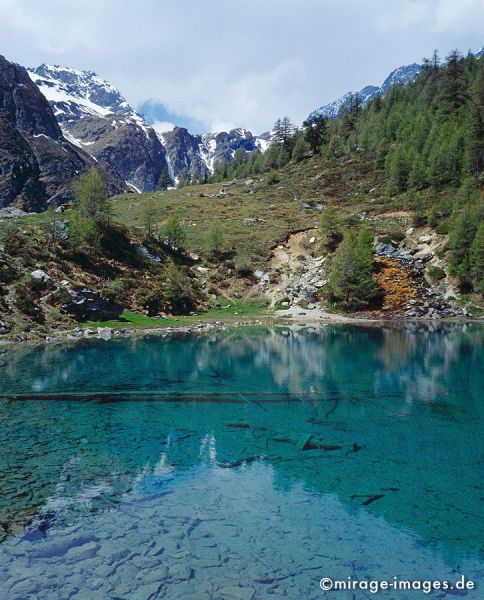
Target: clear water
[242, 465]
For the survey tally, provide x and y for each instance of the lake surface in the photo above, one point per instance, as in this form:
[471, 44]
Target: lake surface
[242, 465]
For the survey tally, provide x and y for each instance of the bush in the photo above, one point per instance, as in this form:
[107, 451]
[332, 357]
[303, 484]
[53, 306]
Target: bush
[173, 235]
[435, 273]
[214, 240]
[419, 219]
[117, 290]
[243, 264]
[272, 178]
[179, 292]
[8, 273]
[331, 228]
[26, 293]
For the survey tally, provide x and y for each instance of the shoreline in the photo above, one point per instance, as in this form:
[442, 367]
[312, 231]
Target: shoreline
[290, 318]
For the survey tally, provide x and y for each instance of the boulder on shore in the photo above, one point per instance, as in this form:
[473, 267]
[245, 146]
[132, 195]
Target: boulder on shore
[87, 305]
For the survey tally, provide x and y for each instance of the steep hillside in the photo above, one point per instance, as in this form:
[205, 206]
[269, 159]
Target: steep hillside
[94, 116]
[37, 163]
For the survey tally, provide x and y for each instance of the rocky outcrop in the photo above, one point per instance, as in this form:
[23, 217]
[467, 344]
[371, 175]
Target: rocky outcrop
[95, 117]
[87, 305]
[134, 153]
[184, 152]
[194, 156]
[37, 164]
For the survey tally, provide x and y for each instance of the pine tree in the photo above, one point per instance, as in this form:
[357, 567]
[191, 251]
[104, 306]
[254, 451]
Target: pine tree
[91, 198]
[316, 132]
[214, 240]
[301, 148]
[477, 259]
[453, 87]
[461, 237]
[283, 133]
[148, 216]
[173, 234]
[351, 284]
[331, 228]
[475, 126]
[399, 166]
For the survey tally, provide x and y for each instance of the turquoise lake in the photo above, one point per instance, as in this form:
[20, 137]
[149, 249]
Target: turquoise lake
[242, 465]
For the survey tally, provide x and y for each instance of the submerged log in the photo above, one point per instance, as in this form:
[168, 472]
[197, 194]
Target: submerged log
[241, 461]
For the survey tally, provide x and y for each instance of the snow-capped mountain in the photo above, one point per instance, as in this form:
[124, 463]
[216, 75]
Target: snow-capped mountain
[401, 75]
[95, 116]
[37, 162]
[194, 156]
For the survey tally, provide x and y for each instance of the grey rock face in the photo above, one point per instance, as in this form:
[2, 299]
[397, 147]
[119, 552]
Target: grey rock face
[37, 163]
[194, 156]
[184, 153]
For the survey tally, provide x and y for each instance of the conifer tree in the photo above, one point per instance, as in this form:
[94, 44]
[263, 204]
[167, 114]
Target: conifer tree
[351, 284]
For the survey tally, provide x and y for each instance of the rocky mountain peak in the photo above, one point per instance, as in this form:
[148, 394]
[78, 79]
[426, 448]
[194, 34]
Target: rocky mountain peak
[95, 116]
[23, 105]
[37, 163]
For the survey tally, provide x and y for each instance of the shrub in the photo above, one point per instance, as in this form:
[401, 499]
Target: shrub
[214, 240]
[8, 273]
[179, 292]
[26, 293]
[272, 178]
[243, 264]
[331, 228]
[117, 289]
[435, 273]
[419, 219]
[173, 234]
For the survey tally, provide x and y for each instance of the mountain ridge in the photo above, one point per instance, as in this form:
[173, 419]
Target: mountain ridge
[95, 116]
[37, 163]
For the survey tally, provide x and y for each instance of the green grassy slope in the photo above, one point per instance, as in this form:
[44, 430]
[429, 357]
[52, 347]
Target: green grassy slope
[254, 223]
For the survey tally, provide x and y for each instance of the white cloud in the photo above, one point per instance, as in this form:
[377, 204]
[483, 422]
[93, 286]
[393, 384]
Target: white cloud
[163, 126]
[237, 63]
[465, 16]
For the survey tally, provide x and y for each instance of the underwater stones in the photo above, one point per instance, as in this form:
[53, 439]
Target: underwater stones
[146, 592]
[82, 552]
[180, 571]
[237, 593]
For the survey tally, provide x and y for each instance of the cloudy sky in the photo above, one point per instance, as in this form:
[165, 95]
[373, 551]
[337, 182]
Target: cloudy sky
[214, 64]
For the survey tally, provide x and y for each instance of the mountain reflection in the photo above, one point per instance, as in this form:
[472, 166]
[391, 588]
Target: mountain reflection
[398, 406]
